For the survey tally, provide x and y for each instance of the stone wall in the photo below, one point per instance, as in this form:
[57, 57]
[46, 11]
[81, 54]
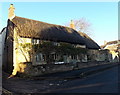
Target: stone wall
[99, 55]
[28, 70]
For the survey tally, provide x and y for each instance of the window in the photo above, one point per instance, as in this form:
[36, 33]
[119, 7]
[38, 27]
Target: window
[39, 57]
[36, 41]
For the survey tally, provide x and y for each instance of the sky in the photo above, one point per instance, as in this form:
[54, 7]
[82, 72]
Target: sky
[103, 16]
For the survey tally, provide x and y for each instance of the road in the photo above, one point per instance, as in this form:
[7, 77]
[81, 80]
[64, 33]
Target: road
[102, 82]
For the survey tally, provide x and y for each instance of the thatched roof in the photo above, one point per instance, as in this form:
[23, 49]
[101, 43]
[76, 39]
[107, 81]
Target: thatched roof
[90, 44]
[40, 30]
[110, 43]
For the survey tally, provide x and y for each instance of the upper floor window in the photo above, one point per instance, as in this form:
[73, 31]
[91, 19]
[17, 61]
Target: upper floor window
[36, 41]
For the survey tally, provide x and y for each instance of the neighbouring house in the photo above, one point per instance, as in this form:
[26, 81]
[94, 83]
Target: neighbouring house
[0, 51]
[35, 42]
[113, 47]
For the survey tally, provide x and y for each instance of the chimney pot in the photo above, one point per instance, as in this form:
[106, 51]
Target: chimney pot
[11, 14]
[72, 24]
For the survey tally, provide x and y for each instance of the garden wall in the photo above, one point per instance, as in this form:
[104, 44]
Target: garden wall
[28, 70]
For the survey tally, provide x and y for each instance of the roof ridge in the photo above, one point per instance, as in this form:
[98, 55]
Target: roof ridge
[44, 22]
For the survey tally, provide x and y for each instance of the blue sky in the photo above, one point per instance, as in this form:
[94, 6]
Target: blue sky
[102, 15]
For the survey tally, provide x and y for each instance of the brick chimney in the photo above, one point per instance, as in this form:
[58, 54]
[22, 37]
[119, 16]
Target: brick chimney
[72, 24]
[11, 13]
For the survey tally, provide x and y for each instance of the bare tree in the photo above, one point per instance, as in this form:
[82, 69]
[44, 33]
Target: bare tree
[82, 25]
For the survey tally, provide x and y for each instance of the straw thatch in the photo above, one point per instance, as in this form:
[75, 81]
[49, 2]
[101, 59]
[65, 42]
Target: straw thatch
[110, 43]
[40, 30]
[90, 44]
[44, 31]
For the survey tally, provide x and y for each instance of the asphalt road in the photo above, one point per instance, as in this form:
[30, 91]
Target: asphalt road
[102, 82]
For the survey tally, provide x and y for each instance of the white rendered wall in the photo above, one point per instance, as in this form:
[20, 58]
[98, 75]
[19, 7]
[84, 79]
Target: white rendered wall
[2, 40]
[0, 64]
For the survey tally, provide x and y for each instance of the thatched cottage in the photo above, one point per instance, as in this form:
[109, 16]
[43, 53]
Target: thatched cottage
[27, 40]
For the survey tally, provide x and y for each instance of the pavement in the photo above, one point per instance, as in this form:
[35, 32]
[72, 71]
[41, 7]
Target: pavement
[104, 81]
